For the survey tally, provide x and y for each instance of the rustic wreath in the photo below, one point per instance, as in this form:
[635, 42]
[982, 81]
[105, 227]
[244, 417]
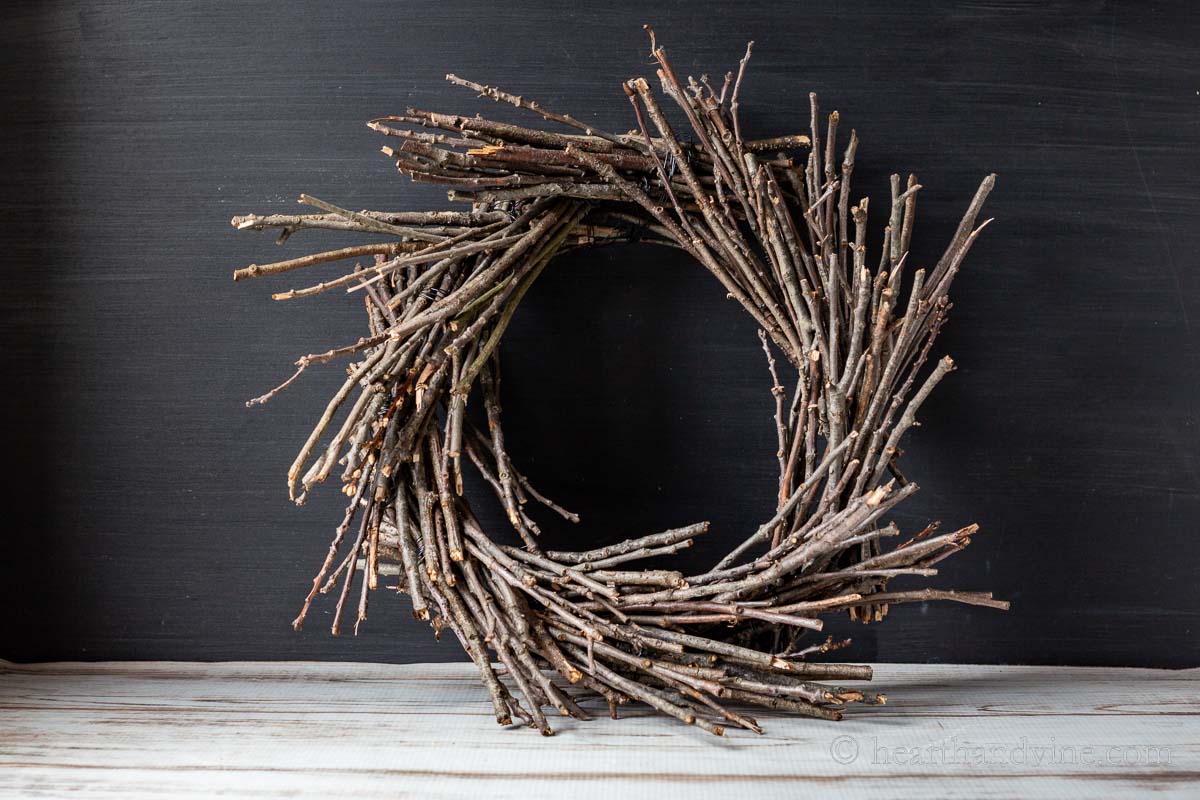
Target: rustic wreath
[785, 241]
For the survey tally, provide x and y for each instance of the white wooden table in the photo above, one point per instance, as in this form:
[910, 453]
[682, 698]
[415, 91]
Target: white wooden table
[161, 729]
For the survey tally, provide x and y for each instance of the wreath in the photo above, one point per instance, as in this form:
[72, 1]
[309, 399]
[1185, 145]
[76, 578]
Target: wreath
[784, 238]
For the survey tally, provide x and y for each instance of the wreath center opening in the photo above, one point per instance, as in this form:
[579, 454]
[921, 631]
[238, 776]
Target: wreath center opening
[627, 381]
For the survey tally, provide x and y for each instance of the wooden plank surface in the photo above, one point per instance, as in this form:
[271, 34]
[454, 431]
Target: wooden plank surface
[303, 729]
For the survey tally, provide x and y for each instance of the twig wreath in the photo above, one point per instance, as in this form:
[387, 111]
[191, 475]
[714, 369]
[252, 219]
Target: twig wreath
[785, 241]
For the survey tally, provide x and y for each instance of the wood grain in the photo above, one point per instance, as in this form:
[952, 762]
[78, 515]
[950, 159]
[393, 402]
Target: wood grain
[145, 506]
[304, 729]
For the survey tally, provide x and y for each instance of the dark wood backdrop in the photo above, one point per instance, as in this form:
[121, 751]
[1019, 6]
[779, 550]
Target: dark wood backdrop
[145, 512]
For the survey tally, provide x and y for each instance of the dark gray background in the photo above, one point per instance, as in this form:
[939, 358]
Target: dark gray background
[145, 508]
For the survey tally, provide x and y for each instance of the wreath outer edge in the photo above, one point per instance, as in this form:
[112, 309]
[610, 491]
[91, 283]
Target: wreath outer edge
[783, 237]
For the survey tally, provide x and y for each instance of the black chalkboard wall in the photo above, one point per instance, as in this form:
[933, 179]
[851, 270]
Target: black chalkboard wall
[145, 510]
